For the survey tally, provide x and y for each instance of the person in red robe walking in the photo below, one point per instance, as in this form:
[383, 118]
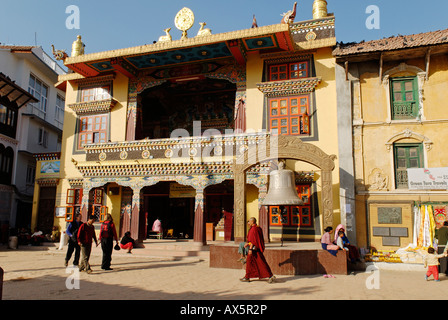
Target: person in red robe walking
[256, 265]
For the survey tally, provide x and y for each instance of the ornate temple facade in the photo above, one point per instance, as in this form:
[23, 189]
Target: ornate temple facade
[186, 129]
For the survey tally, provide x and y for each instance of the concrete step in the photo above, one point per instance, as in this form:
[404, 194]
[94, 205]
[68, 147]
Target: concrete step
[173, 248]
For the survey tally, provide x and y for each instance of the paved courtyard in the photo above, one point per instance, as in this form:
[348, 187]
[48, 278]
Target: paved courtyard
[38, 273]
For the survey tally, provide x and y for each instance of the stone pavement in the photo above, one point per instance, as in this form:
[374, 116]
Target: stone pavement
[38, 273]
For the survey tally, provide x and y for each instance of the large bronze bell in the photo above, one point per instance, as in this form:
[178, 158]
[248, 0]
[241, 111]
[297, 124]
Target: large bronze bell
[282, 188]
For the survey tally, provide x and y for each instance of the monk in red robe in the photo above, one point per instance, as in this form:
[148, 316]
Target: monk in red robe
[256, 265]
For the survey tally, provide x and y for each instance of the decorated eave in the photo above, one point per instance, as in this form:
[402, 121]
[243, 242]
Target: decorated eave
[236, 44]
[288, 87]
[47, 156]
[14, 93]
[189, 155]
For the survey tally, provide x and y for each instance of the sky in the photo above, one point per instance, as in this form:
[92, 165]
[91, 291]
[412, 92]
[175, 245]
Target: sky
[116, 24]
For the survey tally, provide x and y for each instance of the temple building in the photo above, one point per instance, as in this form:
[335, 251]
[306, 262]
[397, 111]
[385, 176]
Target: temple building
[391, 107]
[188, 128]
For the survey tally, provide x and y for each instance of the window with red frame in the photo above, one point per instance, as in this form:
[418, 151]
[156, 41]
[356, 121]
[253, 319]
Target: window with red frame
[74, 202]
[95, 93]
[289, 115]
[92, 129]
[97, 208]
[293, 215]
[288, 71]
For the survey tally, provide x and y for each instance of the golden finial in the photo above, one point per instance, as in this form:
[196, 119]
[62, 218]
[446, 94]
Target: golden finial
[320, 9]
[77, 47]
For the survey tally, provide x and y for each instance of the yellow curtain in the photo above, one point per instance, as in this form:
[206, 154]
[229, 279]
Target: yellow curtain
[432, 225]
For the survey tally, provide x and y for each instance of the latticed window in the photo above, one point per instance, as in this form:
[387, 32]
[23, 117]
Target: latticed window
[287, 71]
[293, 215]
[74, 202]
[404, 98]
[289, 115]
[92, 129]
[95, 93]
[406, 156]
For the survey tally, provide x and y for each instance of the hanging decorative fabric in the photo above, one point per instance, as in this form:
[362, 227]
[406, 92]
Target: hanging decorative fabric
[440, 215]
[426, 226]
[416, 225]
[421, 227]
[432, 226]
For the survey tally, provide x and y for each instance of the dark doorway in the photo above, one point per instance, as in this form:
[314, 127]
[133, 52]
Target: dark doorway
[218, 198]
[45, 214]
[176, 214]
[176, 105]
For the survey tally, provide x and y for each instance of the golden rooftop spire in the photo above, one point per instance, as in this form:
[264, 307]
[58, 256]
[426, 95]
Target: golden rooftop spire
[320, 9]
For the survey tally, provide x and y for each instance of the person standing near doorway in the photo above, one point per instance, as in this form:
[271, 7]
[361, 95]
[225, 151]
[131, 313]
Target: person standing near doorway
[72, 232]
[442, 237]
[85, 235]
[108, 234]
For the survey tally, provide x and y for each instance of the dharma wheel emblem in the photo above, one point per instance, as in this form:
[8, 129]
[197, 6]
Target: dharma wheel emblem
[123, 155]
[102, 156]
[168, 153]
[146, 154]
[184, 20]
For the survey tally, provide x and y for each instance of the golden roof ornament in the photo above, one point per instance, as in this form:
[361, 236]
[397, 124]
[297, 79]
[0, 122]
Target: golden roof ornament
[77, 47]
[203, 31]
[320, 9]
[184, 20]
[59, 54]
[166, 37]
[289, 16]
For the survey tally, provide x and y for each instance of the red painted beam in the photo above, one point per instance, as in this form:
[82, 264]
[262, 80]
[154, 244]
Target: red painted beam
[235, 49]
[83, 69]
[119, 65]
[284, 40]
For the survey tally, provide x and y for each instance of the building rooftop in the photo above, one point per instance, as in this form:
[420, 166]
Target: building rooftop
[392, 43]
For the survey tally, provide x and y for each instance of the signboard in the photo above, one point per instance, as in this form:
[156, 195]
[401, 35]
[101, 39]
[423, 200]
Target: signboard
[389, 215]
[428, 178]
[50, 168]
[180, 191]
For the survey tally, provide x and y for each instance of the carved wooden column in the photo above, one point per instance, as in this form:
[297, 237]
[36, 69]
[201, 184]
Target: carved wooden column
[327, 197]
[263, 214]
[199, 223]
[135, 215]
[85, 204]
[239, 203]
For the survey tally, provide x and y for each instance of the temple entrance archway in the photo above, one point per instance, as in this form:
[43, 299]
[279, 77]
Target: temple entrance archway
[280, 147]
[173, 207]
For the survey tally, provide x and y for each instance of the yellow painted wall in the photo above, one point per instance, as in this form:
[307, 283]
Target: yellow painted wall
[254, 97]
[378, 130]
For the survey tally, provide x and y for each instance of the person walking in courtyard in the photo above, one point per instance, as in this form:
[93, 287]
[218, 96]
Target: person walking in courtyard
[85, 235]
[108, 234]
[431, 260]
[256, 265]
[72, 233]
